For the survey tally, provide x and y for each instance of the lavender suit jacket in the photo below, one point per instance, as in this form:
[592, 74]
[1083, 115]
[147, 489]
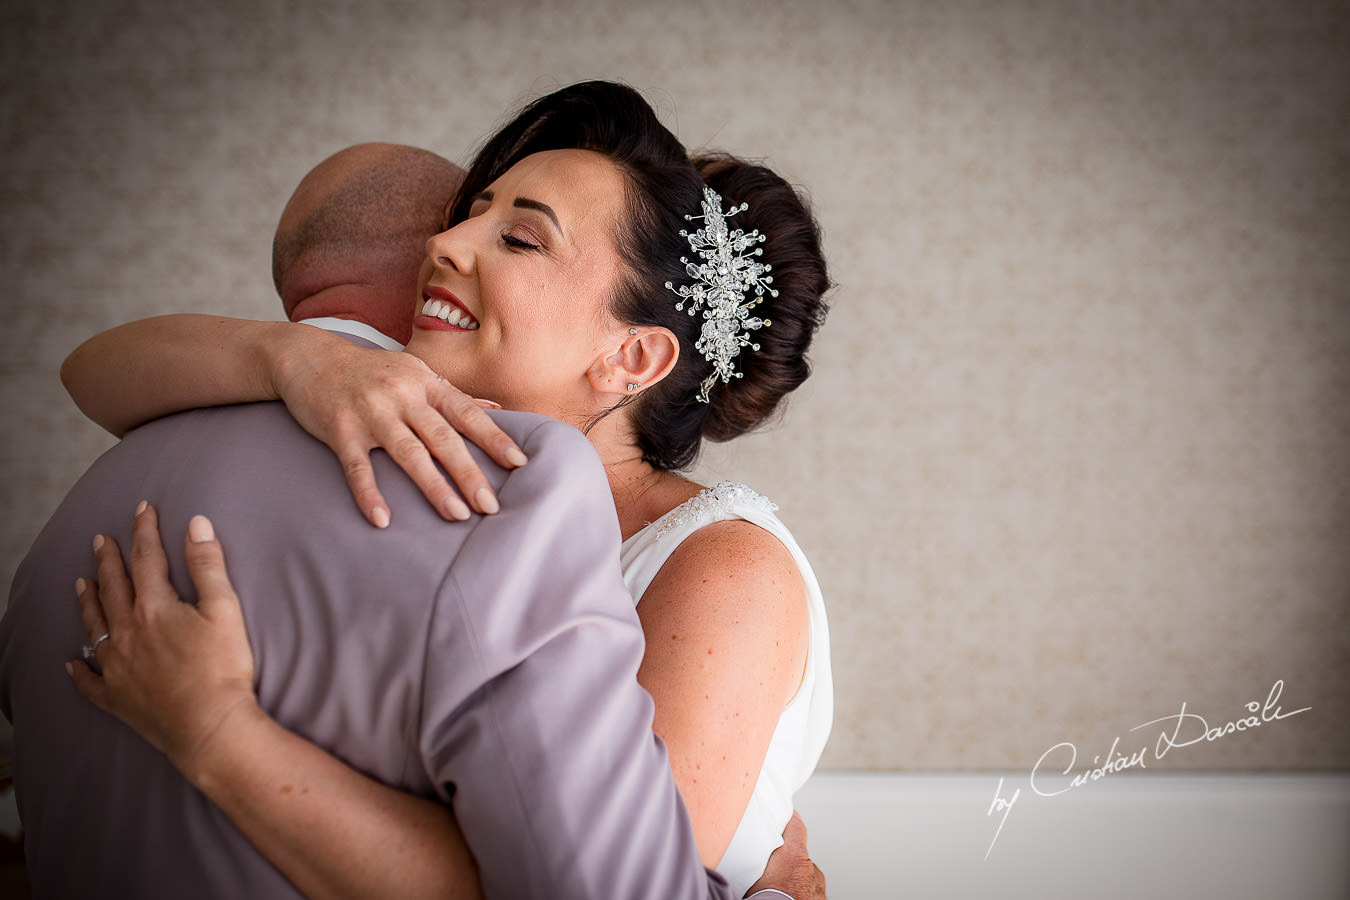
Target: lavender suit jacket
[489, 663]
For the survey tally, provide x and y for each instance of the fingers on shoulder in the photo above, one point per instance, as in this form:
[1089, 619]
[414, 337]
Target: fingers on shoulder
[360, 477]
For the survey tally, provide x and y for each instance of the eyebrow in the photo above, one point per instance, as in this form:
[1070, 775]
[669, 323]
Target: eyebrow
[523, 203]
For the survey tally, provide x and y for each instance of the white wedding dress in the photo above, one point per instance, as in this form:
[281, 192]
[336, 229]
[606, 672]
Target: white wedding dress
[805, 722]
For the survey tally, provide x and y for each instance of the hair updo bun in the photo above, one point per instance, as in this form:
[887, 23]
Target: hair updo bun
[668, 418]
[663, 187]
[792, 248]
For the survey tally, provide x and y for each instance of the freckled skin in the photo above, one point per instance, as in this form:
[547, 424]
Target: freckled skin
[732, 589]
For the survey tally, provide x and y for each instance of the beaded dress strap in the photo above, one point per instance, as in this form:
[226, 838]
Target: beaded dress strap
[721, 499]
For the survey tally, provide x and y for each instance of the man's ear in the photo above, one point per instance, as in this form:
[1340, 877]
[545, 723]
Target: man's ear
[641, 360]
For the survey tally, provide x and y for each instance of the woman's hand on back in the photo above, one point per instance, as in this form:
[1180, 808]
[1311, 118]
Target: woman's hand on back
[181, 675]
[355, 399]
[173, 671]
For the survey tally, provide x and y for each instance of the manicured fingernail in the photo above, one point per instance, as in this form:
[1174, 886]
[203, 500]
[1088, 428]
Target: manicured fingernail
[80, 586]
[379, 517]
[492, 403]
[98, 542]
[455, 508]
[486, 500]
[200, 530]
[516, 457]
[140, 507]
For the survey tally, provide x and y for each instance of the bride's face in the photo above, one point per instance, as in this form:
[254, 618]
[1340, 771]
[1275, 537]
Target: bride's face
[514, 298]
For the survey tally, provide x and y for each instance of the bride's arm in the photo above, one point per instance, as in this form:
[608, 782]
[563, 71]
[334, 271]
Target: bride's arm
[276, 787]
[351, 398]
[149, 368]
[726, 624]
[328, 828]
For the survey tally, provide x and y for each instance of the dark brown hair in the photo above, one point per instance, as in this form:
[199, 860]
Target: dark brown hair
[665, 185]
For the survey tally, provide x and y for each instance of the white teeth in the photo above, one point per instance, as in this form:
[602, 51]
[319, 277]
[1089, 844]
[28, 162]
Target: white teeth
[448, 312]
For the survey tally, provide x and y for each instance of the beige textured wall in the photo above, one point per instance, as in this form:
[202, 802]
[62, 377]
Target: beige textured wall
[1076, 449]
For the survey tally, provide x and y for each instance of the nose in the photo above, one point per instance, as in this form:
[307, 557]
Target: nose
[451, 249]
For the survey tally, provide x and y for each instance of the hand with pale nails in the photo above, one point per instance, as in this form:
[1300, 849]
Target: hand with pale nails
[175, 672]
[355, 399]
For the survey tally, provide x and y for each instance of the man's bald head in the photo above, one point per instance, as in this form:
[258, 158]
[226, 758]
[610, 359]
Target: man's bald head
[351, 240]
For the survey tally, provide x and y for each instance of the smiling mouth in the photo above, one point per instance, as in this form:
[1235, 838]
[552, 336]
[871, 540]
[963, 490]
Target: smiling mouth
[449, 312]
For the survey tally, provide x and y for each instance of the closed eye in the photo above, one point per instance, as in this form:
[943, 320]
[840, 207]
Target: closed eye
[516, 243]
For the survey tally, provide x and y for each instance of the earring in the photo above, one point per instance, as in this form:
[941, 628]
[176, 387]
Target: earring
[632, 331]
[633, 386]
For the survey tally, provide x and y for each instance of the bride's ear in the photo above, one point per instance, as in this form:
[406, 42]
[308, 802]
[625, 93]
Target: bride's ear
[645, 356]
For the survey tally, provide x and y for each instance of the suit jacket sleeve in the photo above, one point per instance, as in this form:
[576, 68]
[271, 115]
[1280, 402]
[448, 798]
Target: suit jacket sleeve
[557, 780]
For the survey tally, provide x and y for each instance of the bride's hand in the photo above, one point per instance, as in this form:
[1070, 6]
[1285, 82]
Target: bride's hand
[174, 672]
[355, 399]
[790, 869]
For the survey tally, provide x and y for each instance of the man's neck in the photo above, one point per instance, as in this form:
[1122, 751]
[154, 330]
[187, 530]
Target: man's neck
[357, 301]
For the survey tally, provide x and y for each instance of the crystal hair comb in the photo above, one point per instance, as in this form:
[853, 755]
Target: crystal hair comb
[728, 273]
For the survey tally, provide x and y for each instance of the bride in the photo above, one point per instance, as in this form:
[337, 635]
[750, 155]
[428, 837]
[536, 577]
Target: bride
[578, 277]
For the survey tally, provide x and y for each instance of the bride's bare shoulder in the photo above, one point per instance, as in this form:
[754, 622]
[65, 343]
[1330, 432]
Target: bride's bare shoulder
[732, 586]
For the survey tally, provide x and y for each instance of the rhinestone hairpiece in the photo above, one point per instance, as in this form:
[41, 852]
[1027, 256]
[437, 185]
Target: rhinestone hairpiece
[729, 271]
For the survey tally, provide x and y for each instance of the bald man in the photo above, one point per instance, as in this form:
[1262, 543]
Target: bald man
[351, 241]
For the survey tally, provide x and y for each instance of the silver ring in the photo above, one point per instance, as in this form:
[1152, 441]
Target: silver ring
[440, 377]
[91, 649]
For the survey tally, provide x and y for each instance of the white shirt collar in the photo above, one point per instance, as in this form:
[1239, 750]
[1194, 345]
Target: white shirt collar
[354, 328]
